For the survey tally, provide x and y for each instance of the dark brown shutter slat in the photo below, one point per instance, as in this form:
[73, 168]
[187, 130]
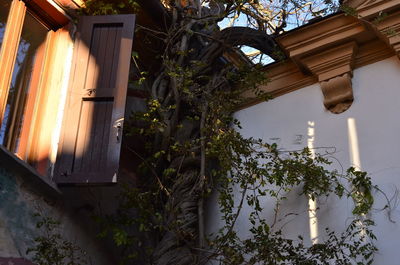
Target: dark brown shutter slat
[89, 148]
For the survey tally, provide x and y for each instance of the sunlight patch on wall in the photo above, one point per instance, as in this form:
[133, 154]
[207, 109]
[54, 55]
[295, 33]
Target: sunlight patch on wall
[312, 204]
[63, 96]
[353, 144]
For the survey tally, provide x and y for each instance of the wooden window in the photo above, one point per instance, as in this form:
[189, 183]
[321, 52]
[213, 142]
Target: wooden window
[4, 10]
[22, 91]
[25, 45]
[90, 143]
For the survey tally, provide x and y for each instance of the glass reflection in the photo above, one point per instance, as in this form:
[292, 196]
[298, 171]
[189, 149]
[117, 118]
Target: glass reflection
[25, 79]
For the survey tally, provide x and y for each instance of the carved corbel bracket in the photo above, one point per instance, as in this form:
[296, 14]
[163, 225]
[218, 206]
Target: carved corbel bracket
[338, 93]
[334, 69]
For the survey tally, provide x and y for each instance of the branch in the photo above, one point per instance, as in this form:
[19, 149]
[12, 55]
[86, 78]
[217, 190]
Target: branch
[237, 36]
[200, 207]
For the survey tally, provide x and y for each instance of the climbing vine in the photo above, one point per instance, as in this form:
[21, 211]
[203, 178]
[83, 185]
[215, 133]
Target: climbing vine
[51, 248]
[193, 149]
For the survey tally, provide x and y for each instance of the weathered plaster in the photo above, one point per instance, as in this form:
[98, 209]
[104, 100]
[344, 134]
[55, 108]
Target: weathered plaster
[16, 214]
[14, 261]
[7, 247]
[19, 201]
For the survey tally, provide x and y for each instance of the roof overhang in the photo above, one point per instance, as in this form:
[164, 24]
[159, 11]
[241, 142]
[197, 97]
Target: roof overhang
[327, 51]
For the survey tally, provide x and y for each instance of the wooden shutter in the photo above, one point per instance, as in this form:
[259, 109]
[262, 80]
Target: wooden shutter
[90, 140]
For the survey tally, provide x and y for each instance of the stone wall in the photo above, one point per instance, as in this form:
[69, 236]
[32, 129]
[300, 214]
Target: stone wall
[24, 194]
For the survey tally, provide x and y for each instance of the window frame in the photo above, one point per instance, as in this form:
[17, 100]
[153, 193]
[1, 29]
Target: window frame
[31, 149]
[41, 146]
[9, 49]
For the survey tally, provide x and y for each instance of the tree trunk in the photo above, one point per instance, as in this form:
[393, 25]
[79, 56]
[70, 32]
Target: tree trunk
[181, 217]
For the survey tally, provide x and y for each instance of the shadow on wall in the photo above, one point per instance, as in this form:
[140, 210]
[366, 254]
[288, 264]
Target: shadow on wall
[16, 213]
[15, 261]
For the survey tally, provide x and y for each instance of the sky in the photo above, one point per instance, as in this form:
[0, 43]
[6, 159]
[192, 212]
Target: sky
[298, 18]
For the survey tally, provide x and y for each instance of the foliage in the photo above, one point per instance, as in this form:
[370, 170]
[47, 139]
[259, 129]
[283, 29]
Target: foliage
[51, 248]
[273, 178]
[193, 148]
[101, 7]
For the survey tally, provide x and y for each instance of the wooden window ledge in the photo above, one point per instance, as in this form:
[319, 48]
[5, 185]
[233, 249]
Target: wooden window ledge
[28, 174]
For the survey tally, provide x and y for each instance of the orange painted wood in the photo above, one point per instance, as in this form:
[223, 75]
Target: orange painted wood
[51, 14]
[43, 98]
[90, 143]
[31, 102]
[49, 99]
[69, 4]
[9, 50]
[31, 134]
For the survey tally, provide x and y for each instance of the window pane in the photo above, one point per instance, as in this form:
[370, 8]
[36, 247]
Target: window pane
[24, 83]
[4, 10]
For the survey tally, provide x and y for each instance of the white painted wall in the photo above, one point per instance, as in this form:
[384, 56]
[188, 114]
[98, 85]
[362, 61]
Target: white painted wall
[374, 122]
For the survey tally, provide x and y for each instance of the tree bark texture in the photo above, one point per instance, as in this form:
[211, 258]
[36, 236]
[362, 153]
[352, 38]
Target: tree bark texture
[191, 38]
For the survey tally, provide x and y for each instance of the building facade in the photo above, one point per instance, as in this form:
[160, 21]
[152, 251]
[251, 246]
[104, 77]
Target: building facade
[338, 94]
[62, 101]
[63, 89]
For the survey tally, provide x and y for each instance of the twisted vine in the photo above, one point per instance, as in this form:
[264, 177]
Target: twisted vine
[193, 148]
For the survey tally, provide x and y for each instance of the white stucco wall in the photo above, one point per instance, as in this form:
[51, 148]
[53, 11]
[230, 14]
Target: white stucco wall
[290, 120]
